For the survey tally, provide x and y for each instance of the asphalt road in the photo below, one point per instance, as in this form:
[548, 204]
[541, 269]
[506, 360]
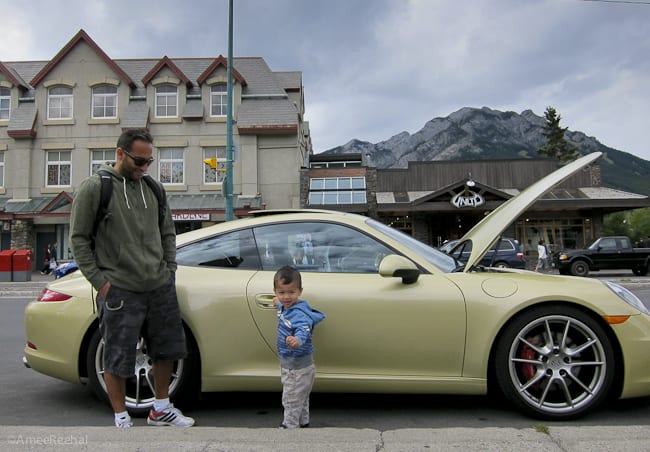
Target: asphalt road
[30, 398]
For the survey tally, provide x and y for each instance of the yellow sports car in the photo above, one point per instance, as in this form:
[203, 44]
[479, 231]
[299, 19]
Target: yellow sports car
[402, 317]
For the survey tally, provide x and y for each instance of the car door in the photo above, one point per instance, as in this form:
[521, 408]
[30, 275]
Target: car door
[374, 325]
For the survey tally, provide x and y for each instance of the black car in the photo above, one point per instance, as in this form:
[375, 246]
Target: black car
[509, 254]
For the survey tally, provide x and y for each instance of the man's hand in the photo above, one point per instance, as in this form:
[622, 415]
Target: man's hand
[103, 291]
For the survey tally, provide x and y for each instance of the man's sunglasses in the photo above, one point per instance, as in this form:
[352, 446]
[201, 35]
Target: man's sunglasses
[139, 161]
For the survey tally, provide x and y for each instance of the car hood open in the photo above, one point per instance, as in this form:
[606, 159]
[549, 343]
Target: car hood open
[486, 232]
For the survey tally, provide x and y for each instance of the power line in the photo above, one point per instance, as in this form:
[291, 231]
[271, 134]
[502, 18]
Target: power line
[619, 1]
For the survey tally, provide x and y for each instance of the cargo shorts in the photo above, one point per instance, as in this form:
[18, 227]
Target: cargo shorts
[125, 316]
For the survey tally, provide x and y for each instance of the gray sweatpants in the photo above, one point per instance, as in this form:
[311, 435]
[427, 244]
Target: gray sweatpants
[296, 387]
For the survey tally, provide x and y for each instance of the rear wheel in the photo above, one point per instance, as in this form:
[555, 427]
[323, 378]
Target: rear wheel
[501, 264]
[555, 363]
[140, 386]
[641, 270]
[580, 268]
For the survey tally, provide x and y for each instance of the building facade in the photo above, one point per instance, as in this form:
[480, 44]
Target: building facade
[436, 201]
[60, 120]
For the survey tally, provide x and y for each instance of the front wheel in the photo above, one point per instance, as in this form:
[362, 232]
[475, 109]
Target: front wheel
[641, 270]
[580, 268]
[140, 386]
[555, 363]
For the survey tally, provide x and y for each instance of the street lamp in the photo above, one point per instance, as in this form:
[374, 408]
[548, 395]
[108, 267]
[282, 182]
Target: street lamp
[228, 182]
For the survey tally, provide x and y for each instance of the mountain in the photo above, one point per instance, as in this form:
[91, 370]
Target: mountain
[482, 134]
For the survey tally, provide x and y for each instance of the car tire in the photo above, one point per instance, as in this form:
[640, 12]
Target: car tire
[556, 378]
[580, 268]
[501, 264]
[641, 270]
[139, 388]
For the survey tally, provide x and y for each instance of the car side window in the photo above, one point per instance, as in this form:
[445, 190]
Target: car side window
[232, 250]
[318, 247]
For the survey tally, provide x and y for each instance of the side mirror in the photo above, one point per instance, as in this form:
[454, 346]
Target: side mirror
[394, 266]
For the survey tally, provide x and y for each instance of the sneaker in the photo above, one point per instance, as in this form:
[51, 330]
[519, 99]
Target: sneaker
[124, 422]
[169, 416]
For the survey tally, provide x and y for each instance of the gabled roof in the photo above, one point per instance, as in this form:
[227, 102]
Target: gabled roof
[460, 186]
[79, 37]
[61, 200]
[220, 61]
[165, 62]
[13, 78]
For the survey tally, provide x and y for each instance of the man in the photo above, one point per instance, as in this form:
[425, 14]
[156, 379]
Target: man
[130, 259]
[542, 256]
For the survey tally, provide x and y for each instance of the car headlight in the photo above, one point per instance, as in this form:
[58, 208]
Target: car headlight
[627, 296]
[563, 257]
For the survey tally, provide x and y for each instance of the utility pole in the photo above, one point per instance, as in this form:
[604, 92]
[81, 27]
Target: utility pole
[229, 176]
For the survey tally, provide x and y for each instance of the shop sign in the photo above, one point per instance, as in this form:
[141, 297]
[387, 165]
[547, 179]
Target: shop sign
[191, 216]
[467, 198]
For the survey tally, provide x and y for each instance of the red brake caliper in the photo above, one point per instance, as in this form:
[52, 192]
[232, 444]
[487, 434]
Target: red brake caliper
[528, 370]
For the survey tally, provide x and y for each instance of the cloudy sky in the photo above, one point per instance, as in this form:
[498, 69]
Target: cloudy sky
[374, 68]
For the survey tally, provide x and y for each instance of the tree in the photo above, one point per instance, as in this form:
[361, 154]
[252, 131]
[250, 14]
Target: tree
[556, 145]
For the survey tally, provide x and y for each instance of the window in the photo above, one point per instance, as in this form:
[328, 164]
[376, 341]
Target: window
[337, 190]
[212, 176]
[232, 250]
[98, 157]
[166, 101]
[104, 101]
[58, 168]
[218, 100]
[2, 169]
[59, 102]
[318, 247]
[172, 166]
[5, 103]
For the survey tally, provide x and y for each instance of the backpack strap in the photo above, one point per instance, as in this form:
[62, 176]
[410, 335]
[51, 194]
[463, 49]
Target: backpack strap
[160, 196]
[103, 213]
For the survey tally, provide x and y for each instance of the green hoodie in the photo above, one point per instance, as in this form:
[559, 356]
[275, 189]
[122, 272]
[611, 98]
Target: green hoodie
[131, 251]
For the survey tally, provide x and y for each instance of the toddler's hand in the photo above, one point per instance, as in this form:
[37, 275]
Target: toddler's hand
[293, 342]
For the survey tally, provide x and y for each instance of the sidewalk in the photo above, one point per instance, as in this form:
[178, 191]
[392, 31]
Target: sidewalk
[625, 438]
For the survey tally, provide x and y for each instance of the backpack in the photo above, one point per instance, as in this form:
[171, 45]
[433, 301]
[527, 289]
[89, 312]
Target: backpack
[104, 214]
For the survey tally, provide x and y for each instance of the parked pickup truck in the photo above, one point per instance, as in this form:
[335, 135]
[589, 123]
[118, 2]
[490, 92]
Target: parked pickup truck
[606, 253]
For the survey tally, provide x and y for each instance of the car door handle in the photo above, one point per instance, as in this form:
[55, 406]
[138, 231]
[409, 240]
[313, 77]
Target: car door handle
[265, 301]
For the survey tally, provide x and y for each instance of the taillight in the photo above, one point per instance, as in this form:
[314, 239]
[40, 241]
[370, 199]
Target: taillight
[520, 256]
[50, 295]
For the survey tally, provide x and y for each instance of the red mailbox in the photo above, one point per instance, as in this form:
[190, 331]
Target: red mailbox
[6, 265]
[22, 265]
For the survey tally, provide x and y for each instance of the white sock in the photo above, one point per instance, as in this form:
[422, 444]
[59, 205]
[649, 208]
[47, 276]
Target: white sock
[160, 404]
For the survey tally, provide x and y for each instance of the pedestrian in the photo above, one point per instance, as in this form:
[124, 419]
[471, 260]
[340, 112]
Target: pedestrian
[130, 259]
[542, 256]
[47, 256]
[296, 321]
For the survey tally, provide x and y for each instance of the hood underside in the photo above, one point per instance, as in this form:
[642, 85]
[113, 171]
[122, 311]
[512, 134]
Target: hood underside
[488, 230]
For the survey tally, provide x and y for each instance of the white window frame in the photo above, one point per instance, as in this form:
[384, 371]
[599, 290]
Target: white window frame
[101, 100]
[167, 101]
[171, 166]
[58, 103]
[337, 190]
[99, 157]
[218, 100]
[2, 169]
[59, 165]
[212, 176]
[5, 104]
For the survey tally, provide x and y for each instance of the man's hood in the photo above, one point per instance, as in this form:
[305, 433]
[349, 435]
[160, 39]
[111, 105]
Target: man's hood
[488, 230]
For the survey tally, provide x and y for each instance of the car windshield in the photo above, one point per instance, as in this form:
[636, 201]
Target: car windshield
[441, 260]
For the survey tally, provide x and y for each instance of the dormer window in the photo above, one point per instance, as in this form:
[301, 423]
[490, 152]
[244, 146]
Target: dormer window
[5, 103]
[104, 102]
[59, 102]
[166, 101]
[218, 100]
